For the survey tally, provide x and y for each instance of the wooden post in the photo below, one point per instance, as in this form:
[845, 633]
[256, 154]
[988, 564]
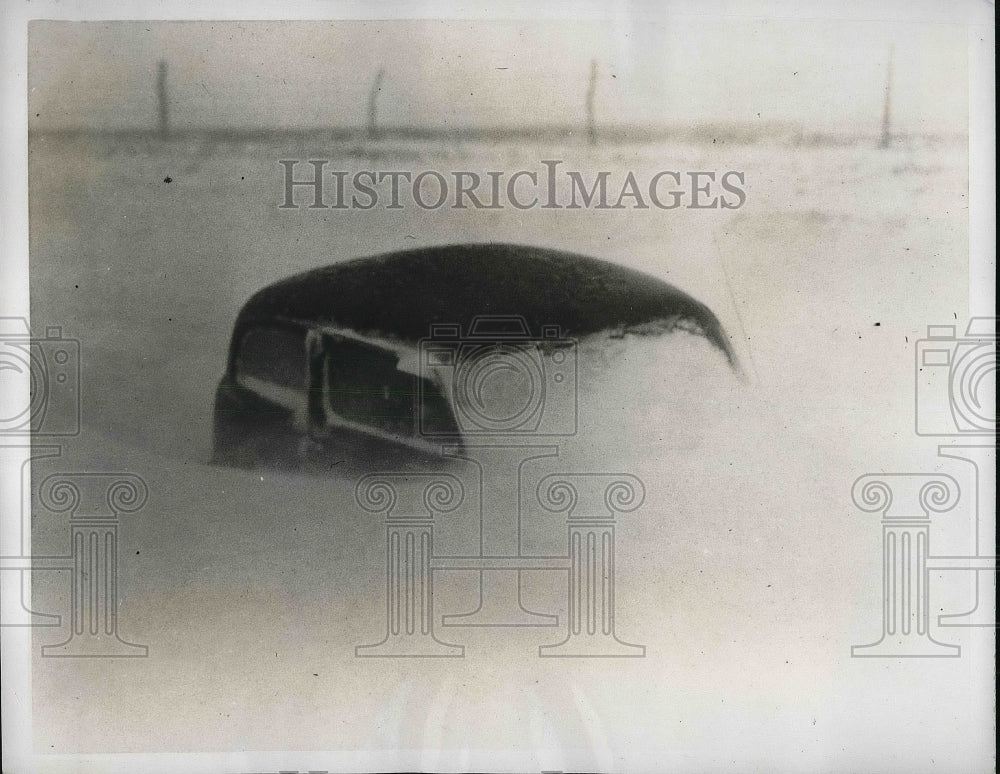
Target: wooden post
[887, 105]
[591, 90]
[373, 132]
[161, 94]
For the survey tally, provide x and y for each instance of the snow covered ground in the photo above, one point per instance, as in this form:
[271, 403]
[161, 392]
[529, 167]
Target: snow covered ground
[747, 574]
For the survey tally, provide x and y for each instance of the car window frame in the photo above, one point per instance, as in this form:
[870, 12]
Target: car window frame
[295, 400]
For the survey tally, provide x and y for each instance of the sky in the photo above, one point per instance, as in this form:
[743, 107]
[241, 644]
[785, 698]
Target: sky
[653, 68]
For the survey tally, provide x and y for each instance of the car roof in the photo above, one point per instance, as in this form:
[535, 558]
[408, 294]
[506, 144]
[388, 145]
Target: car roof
[399, 295]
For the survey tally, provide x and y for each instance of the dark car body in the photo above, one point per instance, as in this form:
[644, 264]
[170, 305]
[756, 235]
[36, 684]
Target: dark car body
[400, 353]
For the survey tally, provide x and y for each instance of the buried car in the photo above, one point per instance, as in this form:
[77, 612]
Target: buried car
[400, 354]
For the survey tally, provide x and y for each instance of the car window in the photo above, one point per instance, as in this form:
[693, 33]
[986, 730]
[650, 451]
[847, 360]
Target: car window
[364, 386]
[273, 359]
[435, 418]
